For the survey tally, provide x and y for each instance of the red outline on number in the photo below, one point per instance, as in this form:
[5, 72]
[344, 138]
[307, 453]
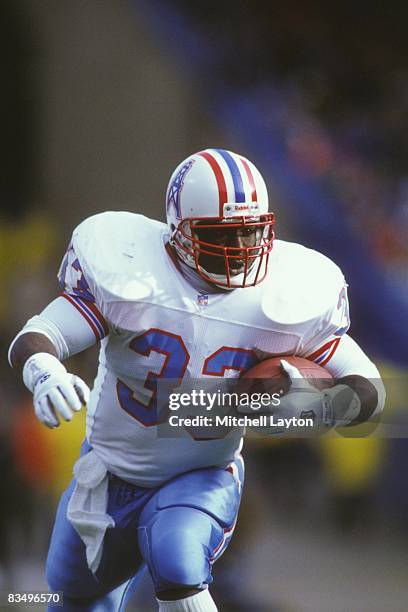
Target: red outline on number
[227, 367]
[150, 373]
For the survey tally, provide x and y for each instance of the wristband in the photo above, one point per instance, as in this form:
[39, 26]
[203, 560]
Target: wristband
[39, 367]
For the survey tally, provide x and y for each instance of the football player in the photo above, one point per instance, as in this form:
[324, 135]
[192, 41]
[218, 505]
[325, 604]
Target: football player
[208, 295]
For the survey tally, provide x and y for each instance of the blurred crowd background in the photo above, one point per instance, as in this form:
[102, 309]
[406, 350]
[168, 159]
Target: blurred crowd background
[100, 101]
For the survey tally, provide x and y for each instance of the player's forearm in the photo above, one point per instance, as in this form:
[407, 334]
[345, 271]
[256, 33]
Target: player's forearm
[352, 369]
[59, 330]
[39, 348]
[29, 344]
[369, 393]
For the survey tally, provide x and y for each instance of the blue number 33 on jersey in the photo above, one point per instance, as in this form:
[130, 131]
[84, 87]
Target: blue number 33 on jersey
[174, 367]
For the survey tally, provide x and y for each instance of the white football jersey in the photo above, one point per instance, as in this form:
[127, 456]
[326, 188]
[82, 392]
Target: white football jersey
[154, 324]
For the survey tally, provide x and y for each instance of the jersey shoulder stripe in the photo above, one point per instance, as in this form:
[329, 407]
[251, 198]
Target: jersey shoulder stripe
[91, 314]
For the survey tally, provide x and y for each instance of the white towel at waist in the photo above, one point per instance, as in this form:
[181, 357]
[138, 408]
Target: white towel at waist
[87, 506]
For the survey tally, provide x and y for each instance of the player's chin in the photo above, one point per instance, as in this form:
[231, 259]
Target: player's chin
[240, 269]
[214, 265]
[234, 271]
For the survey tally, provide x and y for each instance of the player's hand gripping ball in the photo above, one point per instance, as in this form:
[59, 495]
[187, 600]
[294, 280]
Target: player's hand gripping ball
[269, 376]
[301, 386]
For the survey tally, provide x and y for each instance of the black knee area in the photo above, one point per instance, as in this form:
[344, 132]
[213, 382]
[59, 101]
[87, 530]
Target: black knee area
[180, 592]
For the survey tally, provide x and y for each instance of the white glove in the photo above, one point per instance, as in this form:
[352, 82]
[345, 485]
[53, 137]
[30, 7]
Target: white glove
[303, 400]
[54, 389]
[335, 406]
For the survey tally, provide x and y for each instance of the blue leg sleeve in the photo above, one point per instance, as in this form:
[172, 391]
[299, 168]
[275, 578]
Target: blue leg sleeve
[187, 525]
[67, 569]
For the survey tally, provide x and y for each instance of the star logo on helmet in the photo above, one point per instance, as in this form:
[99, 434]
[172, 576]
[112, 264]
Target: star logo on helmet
[173, 198]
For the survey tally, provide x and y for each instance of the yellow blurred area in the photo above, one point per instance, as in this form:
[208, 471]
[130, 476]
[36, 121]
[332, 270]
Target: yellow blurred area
[396, 386]
[45, 457]
[24, 247]
[62, 446]
[351, 464]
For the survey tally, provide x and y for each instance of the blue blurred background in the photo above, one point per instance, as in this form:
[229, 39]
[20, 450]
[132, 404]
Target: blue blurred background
[100, 101]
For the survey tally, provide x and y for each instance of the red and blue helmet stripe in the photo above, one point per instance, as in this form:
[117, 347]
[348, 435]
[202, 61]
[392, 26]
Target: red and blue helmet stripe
[235, 172]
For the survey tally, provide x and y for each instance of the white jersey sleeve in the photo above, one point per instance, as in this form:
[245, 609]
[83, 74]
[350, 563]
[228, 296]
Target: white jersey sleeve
[63, 325]
[79, 287]
[323, 339]
[349, 359]
[74, 321]
[306, 296]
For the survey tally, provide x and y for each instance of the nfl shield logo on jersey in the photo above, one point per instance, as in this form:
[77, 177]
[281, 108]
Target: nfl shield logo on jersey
[202, 299]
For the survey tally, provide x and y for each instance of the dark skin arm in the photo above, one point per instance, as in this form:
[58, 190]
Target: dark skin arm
[363, 387]
[28, 344]
[366, 392]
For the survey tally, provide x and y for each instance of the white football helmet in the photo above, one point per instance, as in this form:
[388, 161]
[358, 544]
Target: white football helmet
[217, 213]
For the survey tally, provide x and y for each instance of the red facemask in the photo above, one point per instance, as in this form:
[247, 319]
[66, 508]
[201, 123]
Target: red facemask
[230, 253]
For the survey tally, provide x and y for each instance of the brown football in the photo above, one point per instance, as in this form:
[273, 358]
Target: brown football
[278, 381]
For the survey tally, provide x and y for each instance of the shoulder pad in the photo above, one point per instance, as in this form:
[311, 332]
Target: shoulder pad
[115, 250]
[302, 284]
